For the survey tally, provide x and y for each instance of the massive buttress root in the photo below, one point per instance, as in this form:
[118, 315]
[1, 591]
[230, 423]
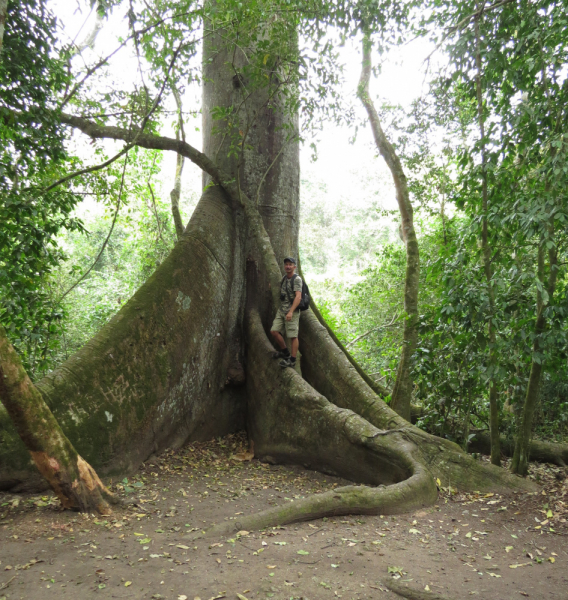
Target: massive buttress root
[290, 422]
[165, 369]
[327, 369]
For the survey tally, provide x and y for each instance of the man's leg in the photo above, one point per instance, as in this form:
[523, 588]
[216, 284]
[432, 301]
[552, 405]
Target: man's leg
[279, 339]
[292, 334]
[295, 346]
[276, 330]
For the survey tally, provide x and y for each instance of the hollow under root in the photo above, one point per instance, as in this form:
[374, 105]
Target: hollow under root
[292, 423]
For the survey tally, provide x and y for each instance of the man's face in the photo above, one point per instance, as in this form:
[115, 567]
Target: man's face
[289, 267]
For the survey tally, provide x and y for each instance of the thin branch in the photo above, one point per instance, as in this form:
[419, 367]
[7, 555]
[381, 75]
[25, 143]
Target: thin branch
[156, 212]
[175, 194]
[371, 331]
[89, 40]
[118, 202]
[104, 60]
[91, 169]
[465, 21]
[128, 146]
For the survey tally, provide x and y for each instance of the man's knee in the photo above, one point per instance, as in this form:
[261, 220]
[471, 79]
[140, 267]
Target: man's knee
[275, 333]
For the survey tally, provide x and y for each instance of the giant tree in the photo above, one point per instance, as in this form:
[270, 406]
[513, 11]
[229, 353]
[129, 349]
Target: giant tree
[188, 356]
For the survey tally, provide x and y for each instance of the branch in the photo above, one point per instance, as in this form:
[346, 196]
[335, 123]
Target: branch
[175, 194]
[371, 331]
[89, 40]
[150, 142]
[132, 143]
[460, 24]
[107, 237]
[104, 60]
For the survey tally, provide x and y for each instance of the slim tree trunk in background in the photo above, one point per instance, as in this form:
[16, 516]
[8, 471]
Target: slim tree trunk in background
[73, 480]
[493, 358]
[402, 391]
[520, 461]
[3, 14]
[176, 192]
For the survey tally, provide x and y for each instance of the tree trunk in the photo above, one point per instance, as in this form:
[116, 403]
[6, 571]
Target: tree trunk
[487, 267]
[176, 191]
[188, 356]
[520, 462]
[73, 480]
[3, 15]
[402, 391]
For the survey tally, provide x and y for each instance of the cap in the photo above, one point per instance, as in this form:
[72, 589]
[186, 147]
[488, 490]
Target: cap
[290, 259]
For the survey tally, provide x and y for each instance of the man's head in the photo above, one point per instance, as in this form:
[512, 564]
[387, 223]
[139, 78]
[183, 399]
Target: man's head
[289, 265]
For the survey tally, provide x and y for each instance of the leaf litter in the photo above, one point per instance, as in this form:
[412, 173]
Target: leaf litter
[182, 492]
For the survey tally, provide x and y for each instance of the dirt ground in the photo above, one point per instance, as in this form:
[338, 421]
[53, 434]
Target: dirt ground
[483, 546]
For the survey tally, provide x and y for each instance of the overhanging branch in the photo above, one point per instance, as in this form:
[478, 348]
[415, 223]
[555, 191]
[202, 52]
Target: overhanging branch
[149, 141]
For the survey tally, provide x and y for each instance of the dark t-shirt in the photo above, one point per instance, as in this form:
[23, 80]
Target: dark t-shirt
[289, 293]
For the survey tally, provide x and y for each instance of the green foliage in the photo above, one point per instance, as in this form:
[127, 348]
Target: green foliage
[32, 154]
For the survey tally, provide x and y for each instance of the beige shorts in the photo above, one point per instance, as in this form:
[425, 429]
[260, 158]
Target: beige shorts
[288, 328]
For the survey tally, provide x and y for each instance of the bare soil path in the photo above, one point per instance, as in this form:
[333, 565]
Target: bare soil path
[466, 546]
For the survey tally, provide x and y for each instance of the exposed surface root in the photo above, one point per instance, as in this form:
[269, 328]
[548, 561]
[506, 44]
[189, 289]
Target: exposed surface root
[291, 422]
[404, 590]
[544, 452]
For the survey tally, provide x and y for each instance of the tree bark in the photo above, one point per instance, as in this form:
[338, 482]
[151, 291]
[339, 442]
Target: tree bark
[3, 15]
[176, 191]
[487, 267]
[402, 391]
[73, 480]
[520, 462]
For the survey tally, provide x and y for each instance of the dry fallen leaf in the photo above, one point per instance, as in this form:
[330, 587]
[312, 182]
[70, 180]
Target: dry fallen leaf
[244, 456]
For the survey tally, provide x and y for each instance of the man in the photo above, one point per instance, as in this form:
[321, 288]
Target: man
[287, 318]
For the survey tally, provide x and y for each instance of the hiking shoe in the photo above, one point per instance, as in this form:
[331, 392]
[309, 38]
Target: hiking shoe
[282, 354]
[288, 362]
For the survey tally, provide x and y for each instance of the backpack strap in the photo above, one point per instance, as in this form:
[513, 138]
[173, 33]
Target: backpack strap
[290, 300]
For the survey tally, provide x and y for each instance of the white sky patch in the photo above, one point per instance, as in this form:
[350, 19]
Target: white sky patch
[351, 172]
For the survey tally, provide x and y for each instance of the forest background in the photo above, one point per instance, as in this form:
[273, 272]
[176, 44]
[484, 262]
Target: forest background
[487, 171]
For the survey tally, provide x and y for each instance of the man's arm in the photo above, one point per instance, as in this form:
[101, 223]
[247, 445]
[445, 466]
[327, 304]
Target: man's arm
[294, 306]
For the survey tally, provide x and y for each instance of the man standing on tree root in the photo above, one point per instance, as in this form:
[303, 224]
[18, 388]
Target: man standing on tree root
[287, 318]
